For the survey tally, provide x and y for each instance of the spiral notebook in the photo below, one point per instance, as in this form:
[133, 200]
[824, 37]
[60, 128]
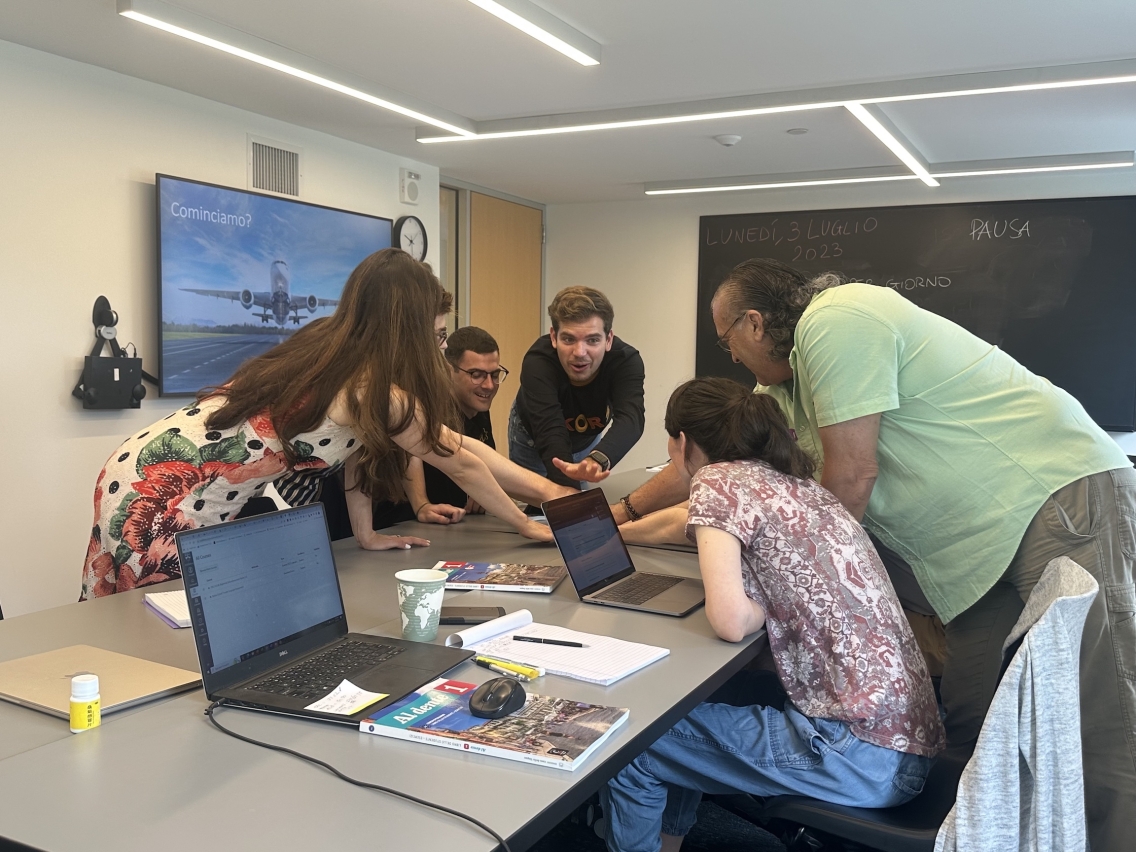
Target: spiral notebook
[601, 659]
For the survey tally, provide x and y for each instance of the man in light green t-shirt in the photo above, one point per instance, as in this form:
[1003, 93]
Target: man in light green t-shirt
[972, 470]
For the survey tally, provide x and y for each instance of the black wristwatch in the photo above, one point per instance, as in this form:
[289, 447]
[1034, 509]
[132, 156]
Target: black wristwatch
[599, 458]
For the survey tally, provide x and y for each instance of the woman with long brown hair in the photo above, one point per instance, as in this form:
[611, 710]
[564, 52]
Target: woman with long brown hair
[361, 390]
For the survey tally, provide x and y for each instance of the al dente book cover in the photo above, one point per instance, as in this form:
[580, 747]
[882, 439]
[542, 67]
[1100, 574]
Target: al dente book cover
[502, 576]
[547, 731]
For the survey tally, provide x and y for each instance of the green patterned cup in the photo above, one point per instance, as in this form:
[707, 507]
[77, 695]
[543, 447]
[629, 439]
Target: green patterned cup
[420, 593]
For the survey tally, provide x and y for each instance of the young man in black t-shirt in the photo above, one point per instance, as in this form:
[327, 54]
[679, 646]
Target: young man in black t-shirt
[581, 395]
[475, 362]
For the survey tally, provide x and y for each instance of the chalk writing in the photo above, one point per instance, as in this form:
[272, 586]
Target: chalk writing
[915, 282]
[777, 231]
[824, 250]
[994, 229]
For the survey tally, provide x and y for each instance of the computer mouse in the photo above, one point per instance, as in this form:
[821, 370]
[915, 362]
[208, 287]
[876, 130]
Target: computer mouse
[496, 698]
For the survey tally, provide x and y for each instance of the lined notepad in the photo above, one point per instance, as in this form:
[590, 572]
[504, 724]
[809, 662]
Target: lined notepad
[603, 660]
[171, 606]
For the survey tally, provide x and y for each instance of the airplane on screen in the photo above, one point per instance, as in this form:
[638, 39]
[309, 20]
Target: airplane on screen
[278, 303]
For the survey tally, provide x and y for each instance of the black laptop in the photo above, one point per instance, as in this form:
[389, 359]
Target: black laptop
[600, 566]
[267, 616]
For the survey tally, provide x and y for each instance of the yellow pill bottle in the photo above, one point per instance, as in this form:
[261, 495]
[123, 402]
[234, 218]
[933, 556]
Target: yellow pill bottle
[85, 713]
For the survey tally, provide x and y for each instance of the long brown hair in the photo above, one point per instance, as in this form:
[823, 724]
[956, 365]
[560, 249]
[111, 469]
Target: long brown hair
[730, 423]
[380, 336]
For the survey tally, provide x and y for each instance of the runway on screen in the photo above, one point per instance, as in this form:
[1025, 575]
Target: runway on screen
[192, 363]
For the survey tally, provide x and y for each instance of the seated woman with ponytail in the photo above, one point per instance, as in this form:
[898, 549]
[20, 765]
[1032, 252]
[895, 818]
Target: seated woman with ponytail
[856, 722]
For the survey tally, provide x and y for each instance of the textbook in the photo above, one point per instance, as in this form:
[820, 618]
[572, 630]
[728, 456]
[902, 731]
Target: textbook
[502, 576]
[547, 731]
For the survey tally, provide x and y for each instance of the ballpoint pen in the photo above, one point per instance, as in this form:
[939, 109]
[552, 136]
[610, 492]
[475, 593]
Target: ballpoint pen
[549, 641]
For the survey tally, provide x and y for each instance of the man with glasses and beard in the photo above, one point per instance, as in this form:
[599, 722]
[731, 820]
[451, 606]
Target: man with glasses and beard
[475, 361]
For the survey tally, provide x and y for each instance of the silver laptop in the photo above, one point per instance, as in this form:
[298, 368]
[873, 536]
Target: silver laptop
[600, 566]
[267, 616]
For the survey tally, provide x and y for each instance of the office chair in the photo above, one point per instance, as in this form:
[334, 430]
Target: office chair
[914, 826]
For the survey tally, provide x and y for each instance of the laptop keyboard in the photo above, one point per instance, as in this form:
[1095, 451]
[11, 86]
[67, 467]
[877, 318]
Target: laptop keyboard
[637, 589]
[316, 676]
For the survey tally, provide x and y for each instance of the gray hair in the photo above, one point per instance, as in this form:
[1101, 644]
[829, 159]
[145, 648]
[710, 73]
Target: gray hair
[778, 292]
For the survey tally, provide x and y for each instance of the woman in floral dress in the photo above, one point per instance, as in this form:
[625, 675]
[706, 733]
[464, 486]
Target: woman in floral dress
[362, 389]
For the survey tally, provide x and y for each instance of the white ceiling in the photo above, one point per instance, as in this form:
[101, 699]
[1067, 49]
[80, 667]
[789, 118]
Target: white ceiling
[455, 56]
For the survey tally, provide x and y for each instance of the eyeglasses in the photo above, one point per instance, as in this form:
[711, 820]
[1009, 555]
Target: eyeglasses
[441, 334]
[724, 340]
[479, 376]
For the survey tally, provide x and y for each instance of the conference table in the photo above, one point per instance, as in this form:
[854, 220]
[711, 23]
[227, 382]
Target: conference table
[161, 776]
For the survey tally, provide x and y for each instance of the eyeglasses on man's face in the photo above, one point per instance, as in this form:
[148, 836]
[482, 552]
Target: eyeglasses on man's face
[724, 340]
[496, 376]
[441, 334]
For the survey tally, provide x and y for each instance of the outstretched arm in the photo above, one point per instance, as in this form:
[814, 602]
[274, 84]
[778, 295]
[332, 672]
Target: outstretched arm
[360, 511]
[665, 488]
[524, 484]
[466, 468]
[666, 526]
[414, 483]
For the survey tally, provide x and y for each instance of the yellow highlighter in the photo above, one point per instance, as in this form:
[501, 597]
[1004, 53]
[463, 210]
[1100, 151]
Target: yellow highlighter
[520, 668]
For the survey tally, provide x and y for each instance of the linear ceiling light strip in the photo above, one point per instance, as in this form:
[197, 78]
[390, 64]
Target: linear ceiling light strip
[545, 28]
[783, 185]
[641, 122]
[127, 10]
[884, 135]
[984, 172]
[616, 124]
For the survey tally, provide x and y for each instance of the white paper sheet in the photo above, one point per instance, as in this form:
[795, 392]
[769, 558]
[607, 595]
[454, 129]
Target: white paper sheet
[602, 660]
[481, 632]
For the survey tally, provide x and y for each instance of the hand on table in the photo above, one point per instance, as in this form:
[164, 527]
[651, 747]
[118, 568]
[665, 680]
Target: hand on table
[378, 541]
[439, 513]
[535, 531]
[472, 507]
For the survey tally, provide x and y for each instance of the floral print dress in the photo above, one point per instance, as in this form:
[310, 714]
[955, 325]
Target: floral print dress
[178, 475]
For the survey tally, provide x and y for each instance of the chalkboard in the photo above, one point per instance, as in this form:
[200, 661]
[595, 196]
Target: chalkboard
[1052, 282]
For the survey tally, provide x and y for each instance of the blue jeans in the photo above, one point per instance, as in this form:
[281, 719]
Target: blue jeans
[722, 749]
[522, 447]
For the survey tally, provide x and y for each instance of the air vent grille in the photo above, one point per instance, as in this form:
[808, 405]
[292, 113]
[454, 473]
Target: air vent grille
[274, 169]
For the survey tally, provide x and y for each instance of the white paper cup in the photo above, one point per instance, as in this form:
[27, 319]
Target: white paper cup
[420, 592]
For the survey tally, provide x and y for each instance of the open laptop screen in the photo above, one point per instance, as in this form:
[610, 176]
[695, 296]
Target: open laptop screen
[257, 584]
[589, 540]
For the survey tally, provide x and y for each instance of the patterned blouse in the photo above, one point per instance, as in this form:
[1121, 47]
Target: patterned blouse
[841, 643]
[180, 474]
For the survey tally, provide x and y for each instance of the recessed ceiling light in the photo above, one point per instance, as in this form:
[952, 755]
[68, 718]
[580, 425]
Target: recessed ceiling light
[545, 28]
[727, 140]
[797, 131]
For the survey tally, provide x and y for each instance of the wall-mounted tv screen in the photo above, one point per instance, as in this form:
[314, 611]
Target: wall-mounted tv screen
[238, 272]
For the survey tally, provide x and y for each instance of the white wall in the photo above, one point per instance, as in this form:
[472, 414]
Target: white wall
[79, 147]
[644, 256]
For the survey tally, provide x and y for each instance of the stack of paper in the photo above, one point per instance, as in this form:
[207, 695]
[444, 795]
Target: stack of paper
[171, 607]
[600, 659]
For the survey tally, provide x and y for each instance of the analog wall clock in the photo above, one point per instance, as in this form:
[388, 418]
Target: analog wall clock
[410, 235]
